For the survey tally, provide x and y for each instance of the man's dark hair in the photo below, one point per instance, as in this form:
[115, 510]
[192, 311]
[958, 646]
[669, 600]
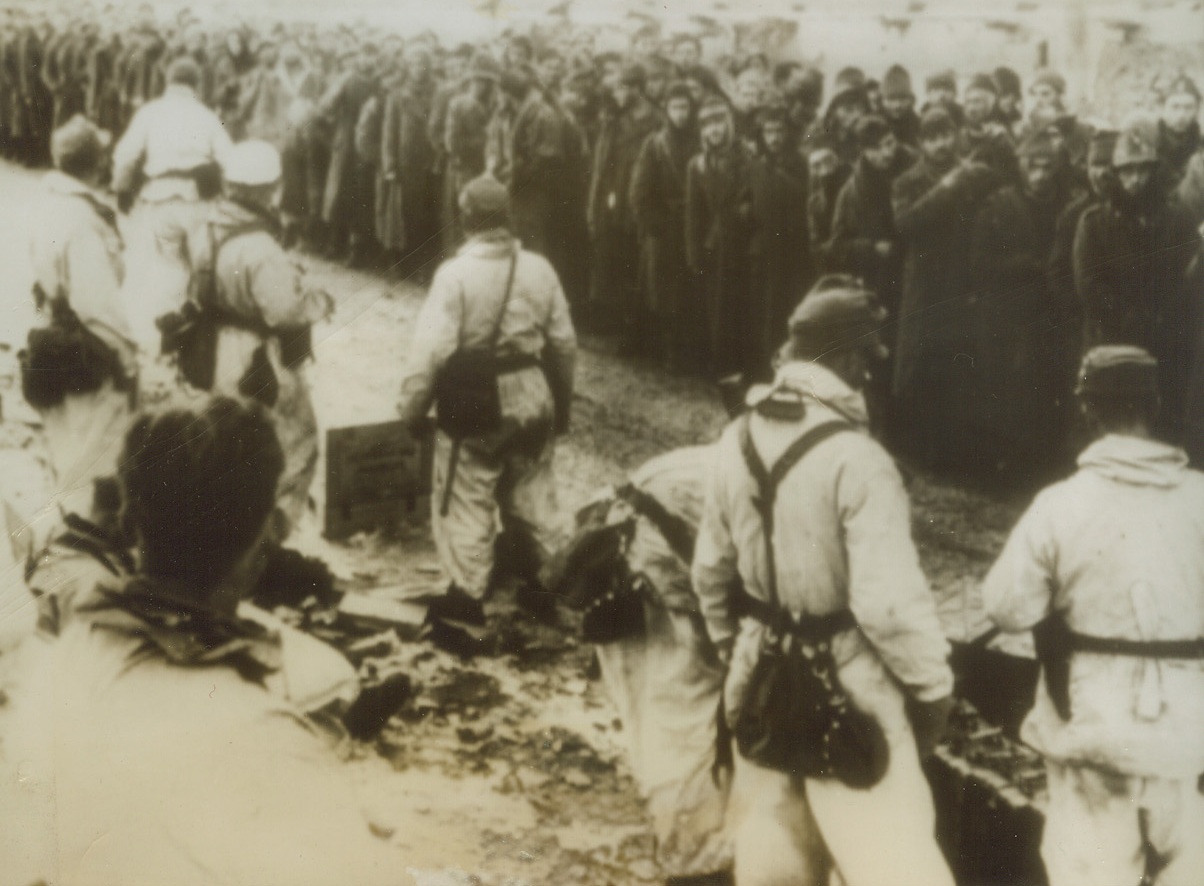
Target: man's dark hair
[515, 83]
[83, 162]
[198, 485]
[185, 72]
[1121, 412]
[783, 71]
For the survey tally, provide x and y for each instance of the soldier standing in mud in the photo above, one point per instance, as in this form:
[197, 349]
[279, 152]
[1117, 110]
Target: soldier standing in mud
[505, 304]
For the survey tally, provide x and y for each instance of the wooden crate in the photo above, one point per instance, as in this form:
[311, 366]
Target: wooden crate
[377, 476]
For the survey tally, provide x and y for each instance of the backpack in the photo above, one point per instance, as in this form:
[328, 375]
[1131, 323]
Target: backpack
[191, 332]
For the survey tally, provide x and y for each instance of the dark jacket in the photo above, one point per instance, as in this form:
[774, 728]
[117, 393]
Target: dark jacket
[821, 210]
[906, 128]
[658, 202]
[623, 135]
[782, 266]
[718, 222]
[1130, 269]
[933, 211]
[1018, 365]
[864, 217]
[1175, 150]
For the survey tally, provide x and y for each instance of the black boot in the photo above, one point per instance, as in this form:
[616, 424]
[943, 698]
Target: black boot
[457, 605]
[537, 601]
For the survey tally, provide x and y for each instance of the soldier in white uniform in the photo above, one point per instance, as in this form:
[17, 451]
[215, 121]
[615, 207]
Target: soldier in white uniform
[845, 563]
[79, 365]
[77, 255]
[1107, 569]
[263, 312]
[497, 297]
[169, 160]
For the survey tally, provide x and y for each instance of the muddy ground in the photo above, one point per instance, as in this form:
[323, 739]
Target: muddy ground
[507, 769]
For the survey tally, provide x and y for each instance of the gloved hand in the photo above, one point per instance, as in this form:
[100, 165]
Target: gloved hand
[929, 720]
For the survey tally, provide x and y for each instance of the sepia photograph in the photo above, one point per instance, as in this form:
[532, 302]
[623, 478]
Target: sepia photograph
[601, 443]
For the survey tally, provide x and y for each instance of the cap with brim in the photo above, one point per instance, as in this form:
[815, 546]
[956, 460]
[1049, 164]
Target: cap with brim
[820, 142]
[849, 77]
[983, 83]
[772, 112]
[484, 196]
[1135, 147]
[897, 83]
[1102, 146]
[871, 130]
[1052, 79]
[942, 80]
[484, 68]
[678, 90]
[1007, 81]
[1118, 371]
[1182, 85]
[838, 313]
[714, 108]
[848, 95]
[936, 121]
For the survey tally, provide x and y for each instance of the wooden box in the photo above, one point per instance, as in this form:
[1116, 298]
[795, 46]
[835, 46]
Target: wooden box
[377, 476]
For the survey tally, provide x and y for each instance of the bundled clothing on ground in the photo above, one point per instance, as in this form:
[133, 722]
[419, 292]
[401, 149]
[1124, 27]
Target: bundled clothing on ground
[665, 681]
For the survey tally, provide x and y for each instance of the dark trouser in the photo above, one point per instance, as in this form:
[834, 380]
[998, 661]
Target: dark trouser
[730, 326]
[614, 302]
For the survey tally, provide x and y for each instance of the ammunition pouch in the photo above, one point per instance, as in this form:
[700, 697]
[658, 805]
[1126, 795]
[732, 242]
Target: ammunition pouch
[468, 403]
[65, 358]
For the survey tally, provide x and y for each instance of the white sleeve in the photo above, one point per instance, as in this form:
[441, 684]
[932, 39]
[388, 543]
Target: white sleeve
[888, 591]
[129, 154]
[1019, 589]
[436, 337]
[715, 569]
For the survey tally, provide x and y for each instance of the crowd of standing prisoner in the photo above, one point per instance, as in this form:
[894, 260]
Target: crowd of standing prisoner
[685, 202]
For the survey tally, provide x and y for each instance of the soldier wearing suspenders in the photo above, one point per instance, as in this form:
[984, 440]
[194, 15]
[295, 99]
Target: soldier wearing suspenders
[840, 572]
